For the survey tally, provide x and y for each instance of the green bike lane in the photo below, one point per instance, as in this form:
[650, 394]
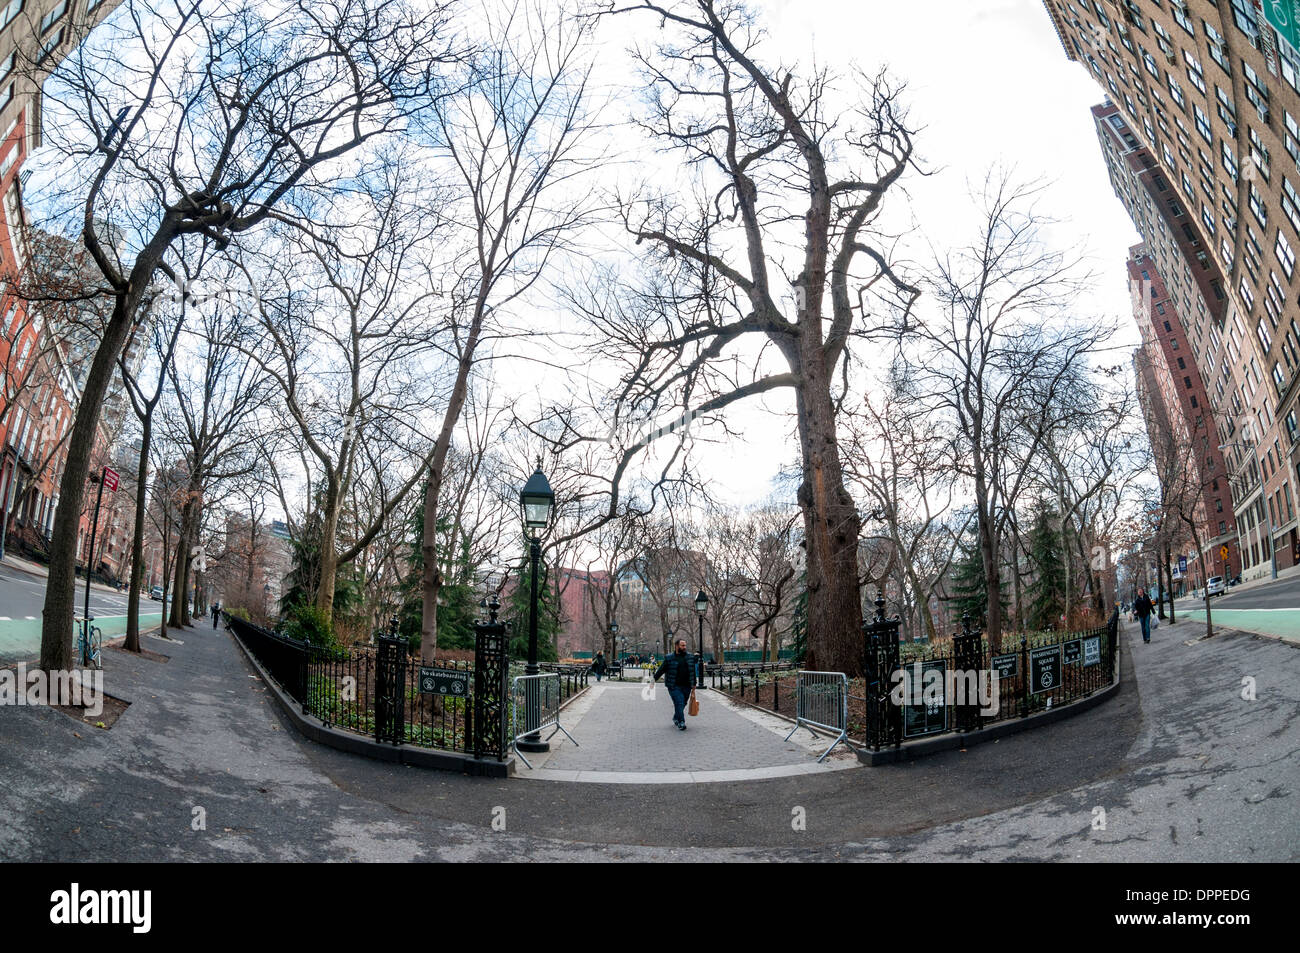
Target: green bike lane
[20, 639]
[1279, 623]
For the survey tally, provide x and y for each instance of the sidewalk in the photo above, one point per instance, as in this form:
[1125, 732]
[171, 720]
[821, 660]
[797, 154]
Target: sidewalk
[625, 735]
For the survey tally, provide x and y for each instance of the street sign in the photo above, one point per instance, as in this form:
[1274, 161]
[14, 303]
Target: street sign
[1283, 16]
[443, 681]
[1044, 669]
[110, 479]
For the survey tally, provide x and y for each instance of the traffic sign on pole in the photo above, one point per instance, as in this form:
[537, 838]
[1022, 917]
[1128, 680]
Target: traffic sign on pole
[110, 479]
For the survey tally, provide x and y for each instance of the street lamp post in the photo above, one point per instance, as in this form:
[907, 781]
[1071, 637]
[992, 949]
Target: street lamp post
[701, 606]
[613, 638]
[536, 500]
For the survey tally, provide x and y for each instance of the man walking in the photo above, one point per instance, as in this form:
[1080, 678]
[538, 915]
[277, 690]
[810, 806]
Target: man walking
[216, 612]
[598, 666]
[1142, 608]
[679, 678]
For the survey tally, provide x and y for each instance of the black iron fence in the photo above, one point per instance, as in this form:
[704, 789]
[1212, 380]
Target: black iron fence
[950, 687]
[383, 692]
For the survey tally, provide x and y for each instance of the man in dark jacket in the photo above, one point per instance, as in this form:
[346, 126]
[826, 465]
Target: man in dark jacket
[1142, 608]
[598, 666]
[678, 671]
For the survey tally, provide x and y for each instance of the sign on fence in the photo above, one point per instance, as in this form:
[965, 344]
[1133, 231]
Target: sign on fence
[1072, 649]
[444, 681]
[931, 717]
[1044, 669]
[1092, 650]
[1007, 666]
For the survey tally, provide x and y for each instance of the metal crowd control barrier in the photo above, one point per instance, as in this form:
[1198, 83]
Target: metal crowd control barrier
[822, 701]
[540, 694]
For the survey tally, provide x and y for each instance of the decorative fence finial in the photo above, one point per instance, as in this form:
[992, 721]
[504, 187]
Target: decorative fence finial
[880, 606]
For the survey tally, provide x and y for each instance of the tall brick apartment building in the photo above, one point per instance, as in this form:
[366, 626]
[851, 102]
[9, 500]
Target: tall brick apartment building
[39, 376]
[1201, 133]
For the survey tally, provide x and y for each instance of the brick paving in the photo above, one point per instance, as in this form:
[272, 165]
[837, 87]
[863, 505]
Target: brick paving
[623, 731]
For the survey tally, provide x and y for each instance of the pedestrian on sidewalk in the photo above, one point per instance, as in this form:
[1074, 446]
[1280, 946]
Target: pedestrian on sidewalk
[216, 612]
[1142, 608]
[679, 679]
[598, 666]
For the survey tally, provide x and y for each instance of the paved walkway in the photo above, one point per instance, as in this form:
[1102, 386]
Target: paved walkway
[625, 734]
[1181, 766]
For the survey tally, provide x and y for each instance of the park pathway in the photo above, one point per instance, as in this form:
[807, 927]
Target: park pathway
[625, 734]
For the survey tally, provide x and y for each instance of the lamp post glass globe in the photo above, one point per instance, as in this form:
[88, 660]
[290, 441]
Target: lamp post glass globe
[537, 499]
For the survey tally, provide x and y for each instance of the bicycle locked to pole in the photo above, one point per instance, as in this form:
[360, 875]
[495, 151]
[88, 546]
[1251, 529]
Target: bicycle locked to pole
[89, 642]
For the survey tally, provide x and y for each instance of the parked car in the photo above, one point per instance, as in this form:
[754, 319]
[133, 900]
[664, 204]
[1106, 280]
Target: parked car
[1215, 586]
[156, 593]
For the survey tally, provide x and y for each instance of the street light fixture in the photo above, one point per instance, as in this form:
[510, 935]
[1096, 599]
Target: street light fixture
[1268, 519]
[613, 638]
[701, 606]
[536, 500]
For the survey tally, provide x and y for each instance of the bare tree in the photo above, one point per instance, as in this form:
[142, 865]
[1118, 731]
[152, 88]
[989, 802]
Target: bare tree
[999, 357]
[517, 138]
[188, 126]
[767, 237]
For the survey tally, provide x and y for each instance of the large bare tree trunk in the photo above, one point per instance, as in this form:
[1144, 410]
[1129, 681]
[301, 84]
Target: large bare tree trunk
[831, 528]
[329, 556]
[60, 594]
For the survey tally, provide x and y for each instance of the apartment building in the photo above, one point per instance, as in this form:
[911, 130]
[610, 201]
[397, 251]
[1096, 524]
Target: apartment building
[1201, 132]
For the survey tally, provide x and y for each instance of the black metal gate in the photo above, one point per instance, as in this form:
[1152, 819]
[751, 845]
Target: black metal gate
[884, 719]
[491, 669]
[390, 689]
[968, 657]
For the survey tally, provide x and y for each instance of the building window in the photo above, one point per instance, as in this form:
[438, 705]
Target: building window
[50, 45]
[1284, 254]
[53, 16]
[11, 10]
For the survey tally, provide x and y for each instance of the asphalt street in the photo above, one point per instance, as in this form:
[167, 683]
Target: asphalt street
[22, 601]
[1196, 759]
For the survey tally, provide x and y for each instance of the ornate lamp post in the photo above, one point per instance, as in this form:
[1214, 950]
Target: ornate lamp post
[536, 500]
[613, 639]
[701, 606]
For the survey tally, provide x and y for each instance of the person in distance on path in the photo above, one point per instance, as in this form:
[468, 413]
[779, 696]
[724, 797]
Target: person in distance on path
[598, 666]
[216, 611]
[1142, 608]
[679, 678]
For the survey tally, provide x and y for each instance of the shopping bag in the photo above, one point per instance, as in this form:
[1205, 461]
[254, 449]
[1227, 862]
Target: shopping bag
[694, 708]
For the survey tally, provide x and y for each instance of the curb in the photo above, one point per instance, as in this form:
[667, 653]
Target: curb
[313, 729]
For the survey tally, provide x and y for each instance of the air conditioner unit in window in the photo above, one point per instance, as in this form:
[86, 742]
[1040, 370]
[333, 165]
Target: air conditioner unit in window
[1232, 130]
[1231, 224]
[1263, 112]
[1170, 57]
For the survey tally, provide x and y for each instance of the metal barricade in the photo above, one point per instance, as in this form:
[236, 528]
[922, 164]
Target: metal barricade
[536, 699]
[822, 701]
